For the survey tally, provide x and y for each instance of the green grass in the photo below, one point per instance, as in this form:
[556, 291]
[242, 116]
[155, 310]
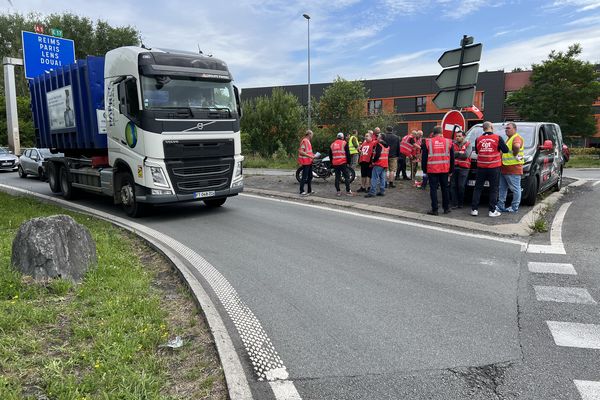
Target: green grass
[256, 161]
[583, 161]
[96, 340]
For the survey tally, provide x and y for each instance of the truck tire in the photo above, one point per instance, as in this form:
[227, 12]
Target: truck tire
[65, 183]
[129, 202]
[214, 203]
[531, 191]
[22, 173]
[53, 180]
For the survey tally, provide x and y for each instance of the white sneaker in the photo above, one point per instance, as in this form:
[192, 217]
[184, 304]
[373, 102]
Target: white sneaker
[474, 213]
[494, 213]
[304, 194]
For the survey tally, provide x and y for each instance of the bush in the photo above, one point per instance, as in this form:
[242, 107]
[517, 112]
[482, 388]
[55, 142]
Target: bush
[584, 151]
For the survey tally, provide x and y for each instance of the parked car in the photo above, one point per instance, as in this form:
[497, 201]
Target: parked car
[8, 161]
[545, 157]
[32, 162]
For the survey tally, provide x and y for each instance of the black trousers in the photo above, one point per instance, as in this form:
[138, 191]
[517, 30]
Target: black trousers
[339, 170]
[442, 181]
[492, 175]
[401, 166]
[307, 176]
[458, 182]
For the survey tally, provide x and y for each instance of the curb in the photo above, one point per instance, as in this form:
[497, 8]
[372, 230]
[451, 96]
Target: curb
[238, 387]
[520, 228]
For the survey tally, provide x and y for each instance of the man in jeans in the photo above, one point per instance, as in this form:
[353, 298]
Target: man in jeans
[380, 165]
[489, 147]
[511, 170]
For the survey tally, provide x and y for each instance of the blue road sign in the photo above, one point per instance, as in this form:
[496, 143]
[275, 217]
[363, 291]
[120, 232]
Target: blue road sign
[43, 53]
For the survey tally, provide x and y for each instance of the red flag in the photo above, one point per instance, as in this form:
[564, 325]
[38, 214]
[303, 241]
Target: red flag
[475, 111]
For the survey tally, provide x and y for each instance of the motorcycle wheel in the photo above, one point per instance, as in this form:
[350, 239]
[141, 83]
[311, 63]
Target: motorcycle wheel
[299, 174]
[351, 175]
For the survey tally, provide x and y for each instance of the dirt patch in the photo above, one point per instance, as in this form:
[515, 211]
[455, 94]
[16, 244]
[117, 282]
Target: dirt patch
[194, 370]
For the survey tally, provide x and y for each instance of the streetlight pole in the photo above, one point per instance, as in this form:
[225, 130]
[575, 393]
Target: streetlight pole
[308, 20]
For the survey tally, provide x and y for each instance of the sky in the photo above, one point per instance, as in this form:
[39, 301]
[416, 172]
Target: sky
[265, 42]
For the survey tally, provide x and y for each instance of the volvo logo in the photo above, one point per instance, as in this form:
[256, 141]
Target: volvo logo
[199, 126]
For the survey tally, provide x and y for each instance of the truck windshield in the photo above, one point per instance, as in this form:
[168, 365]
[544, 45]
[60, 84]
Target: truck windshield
[526, 131]
[163, 91]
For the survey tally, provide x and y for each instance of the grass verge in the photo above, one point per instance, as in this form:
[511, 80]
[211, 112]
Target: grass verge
[100, 339]
[583, 161]
[256, 161]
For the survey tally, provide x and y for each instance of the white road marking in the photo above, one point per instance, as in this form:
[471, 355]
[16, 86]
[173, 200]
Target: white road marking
[551, 268]
[572, 334]
[285, 390]
[556, 244]
[589, 390]
[563, 294]
[596, 183]
[264, 359]
[579, 182]
[394, 221]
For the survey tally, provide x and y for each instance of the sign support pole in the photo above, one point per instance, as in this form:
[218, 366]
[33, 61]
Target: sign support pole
[463, 44]
[10, 90]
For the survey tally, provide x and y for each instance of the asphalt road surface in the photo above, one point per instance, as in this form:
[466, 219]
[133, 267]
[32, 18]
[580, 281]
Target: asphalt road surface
[369, 308]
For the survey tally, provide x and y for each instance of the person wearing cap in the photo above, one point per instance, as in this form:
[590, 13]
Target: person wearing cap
[394, 146]
[462, 165]
[438, 163]
[380, 164]
[305, 159]
[339, 154]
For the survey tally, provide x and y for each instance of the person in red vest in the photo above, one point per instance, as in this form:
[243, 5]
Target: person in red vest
[364, 159]
[305, 159]
[339, 154]
[462, 165]
[438, 163]
[380, 164]
[489, 148]
[407, 152]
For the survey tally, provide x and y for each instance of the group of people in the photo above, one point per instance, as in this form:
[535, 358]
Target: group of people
[445, 163]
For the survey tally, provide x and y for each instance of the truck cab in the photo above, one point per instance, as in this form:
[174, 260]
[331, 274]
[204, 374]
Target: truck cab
[544, 158]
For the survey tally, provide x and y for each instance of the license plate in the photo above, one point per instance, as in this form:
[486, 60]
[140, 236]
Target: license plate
[471, 182]
[201, 195]
[6, 164]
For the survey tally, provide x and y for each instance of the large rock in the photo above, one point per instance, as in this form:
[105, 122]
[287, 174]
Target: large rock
[53, 247]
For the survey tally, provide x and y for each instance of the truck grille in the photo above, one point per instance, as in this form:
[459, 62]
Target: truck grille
[197, 175]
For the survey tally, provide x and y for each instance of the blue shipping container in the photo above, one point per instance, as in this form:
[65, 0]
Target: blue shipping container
[66, 103]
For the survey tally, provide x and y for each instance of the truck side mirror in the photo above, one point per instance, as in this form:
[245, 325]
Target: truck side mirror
[548, 145]
[238, 102]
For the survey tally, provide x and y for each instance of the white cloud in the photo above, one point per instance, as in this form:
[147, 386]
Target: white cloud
[581, 5]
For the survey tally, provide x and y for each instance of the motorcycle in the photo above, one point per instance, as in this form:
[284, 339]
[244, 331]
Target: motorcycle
[322, 168]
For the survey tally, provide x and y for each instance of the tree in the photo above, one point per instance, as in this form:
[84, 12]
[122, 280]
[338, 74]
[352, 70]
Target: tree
[26, 129]
[273, 124]
[343, 105]
[562, 90]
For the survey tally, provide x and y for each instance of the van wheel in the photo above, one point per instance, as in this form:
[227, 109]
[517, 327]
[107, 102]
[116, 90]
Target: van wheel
[65, 183]
[215, 202]
[53, 178]
[128, 199]
[558, 184]
[22, 173]
[531, 191]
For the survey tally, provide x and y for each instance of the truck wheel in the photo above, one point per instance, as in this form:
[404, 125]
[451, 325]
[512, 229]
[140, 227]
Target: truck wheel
[22, 173]
[53, 180]
[215, 202]
[299, 174]
[130, 204]
[531, 191]
[65, 183]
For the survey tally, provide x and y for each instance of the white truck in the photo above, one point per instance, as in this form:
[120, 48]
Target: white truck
[144, 126]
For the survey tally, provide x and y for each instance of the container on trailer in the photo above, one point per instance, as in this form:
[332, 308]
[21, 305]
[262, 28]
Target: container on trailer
[68, 107]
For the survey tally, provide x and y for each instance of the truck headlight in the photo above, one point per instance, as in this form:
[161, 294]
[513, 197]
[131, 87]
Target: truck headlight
[158, 177]
[238, 169]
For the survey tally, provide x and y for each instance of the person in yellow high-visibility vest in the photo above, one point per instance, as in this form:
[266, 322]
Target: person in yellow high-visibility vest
[511, 170]
[353, 146]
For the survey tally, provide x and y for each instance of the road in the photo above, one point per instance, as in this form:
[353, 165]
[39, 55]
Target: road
[363, 307]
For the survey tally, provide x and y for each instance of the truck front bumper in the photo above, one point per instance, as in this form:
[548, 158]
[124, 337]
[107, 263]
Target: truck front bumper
[177, 198]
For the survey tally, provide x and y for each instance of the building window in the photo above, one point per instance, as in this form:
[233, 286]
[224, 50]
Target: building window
[420, 104]
[375, 106]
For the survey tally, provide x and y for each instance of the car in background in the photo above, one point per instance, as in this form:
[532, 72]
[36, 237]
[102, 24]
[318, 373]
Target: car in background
[545, 157]
[8, 161]
[32, 162]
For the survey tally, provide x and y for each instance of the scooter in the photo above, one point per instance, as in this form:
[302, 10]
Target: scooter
[322, 168]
